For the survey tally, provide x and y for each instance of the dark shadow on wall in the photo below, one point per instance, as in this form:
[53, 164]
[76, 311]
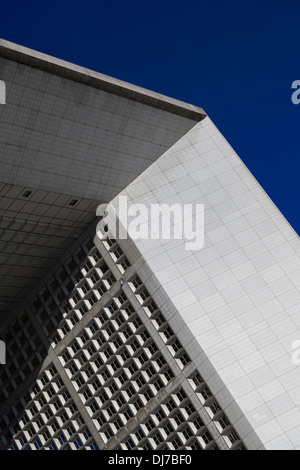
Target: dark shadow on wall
[28, 338]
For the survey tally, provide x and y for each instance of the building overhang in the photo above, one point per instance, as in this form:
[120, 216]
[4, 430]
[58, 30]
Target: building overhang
[68, 134]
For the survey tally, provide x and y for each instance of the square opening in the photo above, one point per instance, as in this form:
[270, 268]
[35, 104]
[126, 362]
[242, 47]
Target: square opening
[73, 202]
[26, 193]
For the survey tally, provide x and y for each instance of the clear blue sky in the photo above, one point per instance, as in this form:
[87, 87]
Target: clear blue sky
[235, 58]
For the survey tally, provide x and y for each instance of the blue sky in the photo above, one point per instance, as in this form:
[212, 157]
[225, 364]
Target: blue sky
[236, 59]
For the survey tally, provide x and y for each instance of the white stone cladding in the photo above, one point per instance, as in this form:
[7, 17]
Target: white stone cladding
[136, 344]
[239, 295]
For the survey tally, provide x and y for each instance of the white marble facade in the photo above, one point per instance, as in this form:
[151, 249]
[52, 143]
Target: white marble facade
[239, 295]
[67, 132]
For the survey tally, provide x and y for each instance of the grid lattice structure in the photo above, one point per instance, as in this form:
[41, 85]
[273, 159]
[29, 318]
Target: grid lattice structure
[105, 382]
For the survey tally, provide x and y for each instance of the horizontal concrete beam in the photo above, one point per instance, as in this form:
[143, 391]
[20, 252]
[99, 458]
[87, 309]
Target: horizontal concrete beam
[93, 79]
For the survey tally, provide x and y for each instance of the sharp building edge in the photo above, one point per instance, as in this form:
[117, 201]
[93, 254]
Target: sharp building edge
[125, 344]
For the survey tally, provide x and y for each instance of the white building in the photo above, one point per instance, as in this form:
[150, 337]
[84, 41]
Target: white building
[136, 344]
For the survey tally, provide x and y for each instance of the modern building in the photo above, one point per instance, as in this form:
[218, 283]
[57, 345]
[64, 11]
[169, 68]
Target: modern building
[136, 344]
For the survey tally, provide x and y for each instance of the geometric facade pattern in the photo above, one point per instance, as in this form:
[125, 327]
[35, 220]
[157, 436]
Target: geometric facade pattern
[109, 385]
[125, 344]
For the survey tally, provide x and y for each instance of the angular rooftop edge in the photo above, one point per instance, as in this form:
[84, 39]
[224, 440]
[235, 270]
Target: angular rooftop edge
[88, 77]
